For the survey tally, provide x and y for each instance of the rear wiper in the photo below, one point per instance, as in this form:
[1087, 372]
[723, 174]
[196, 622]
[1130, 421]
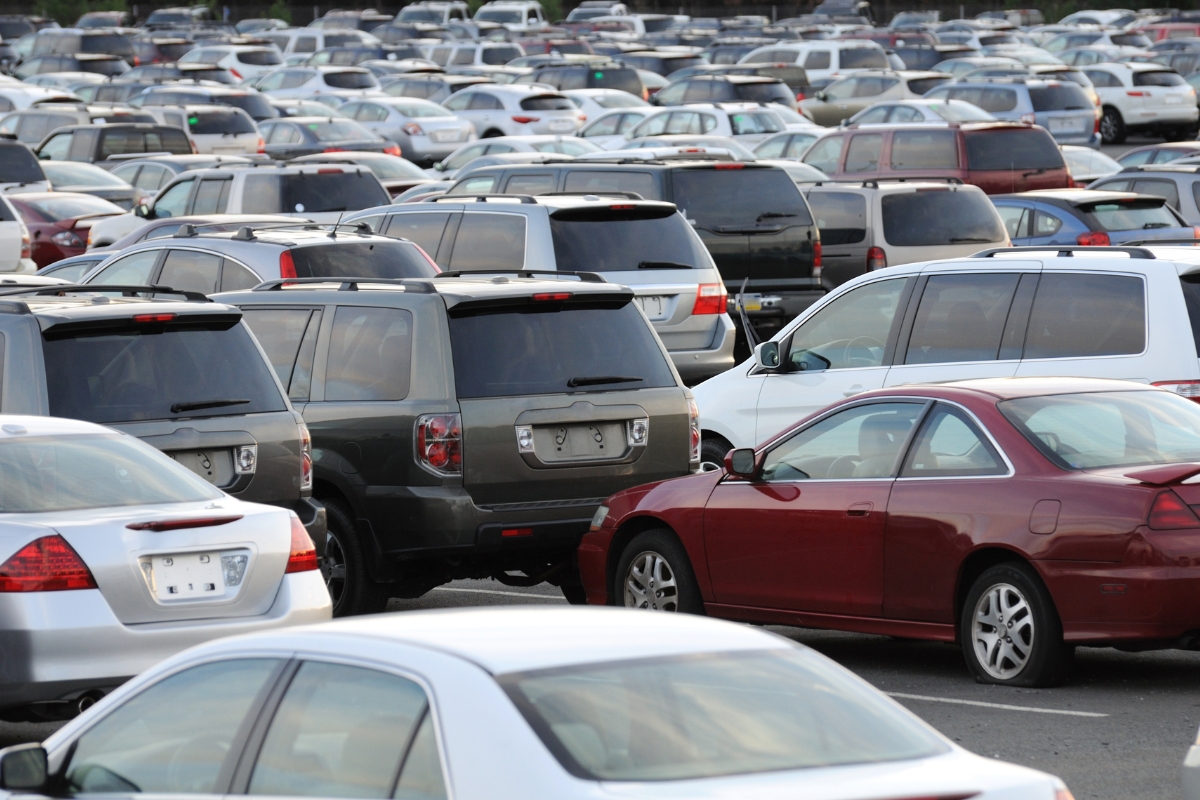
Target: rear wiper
[772, 215]
[969, 240]
[663, 265]
[1038, 171]
[1150, 225]
[598, 379]
[195, 406]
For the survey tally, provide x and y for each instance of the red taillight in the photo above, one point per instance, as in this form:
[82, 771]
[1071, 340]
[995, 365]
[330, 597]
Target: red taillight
[47, 564]
[439, 443]
[799, 96]
[262, 146]
[544, 296]
[412, 129]
[508, 533]
[1188, 389]
[1196, 232]
[622, 207]
[876, 258]
[1137, 94]
[235, 73]
[27, 247]
[303, 555]
[729, 165]
[287, 267]
[182, 524]
[711, 298]
[306, 462]
[153, 317]
[137, 62]
[334, 150]
[524, 120]
[1093, 239]
[1169, 512]
[817, 265]
[392, 150]
[1096, 127]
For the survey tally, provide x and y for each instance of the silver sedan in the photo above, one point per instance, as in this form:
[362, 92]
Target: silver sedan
[425, 131]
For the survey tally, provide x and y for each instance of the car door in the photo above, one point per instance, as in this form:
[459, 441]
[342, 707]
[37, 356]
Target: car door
[841, 217]
[839, 350]
[808, 535]
[173, 201]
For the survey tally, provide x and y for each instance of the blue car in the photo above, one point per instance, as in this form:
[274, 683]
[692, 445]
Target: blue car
[1061, 107]
[1088, 217]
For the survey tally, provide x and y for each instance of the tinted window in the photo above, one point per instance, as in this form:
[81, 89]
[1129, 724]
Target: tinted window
[1129, 216]
[211, 196]
[764, 93]
[949, 444]
[739, 198]
[860, 442]
[220, 122]
[617, 241]
[819, 59]
[862, 58]
[19, 165]
[1158, 79]
[489, 241]
[259, 58]
[841, 216]
[141, 747]
[281, 331]
[924, 150]
[1164, 189]
[547, 103]
[863, 153]
[351, 80]
[235, 277]
[370, 354]
[350, 259]
[312, 192]
[541, 348]
[626, 80]
[141, 372]
[499, 55]
[613, 180]
[256, 105]
[423, 230]
[824, 154]
[939, 216]
[191, 270]
[1065, 96]
[131, 270]
[531, 184]
[1077, 316]
[961, 318]
[1012, 149]
[862, 316]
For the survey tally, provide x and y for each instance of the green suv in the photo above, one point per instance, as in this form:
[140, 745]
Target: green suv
[467, 427]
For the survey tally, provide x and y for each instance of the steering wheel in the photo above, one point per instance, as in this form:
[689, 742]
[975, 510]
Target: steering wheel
[860, 362]
[189, 769]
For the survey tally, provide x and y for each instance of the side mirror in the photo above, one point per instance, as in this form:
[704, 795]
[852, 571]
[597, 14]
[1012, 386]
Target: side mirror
[142, 210]
[742, 462]
[23, 768]
[766, 355]
[821, 96]
[440, 166]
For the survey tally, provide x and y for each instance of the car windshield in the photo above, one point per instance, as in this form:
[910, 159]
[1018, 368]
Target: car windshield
[701, 716]
[411, 14]
[339, 130]
[145, 371]
[1059, 97]
[1109, 429]
[350, 259]
[1133, 215]
[351, 80]
[18, 165]
[73, 207]
[929, 217]
[553, 347]
[259, 58]
[66, 473]
[498, 15]
[1012, 149]
[220, 122]
[609, 241]
[312, 192]
[62, 174]
[739, 198]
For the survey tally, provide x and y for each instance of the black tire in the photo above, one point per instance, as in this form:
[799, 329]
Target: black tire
[344, 567]
[1112, 126]
[491, 133]
[713, 449]
[658, 555]
[1030, 650]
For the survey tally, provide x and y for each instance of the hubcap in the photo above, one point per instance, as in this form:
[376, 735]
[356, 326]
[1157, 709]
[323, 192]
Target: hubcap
[650, 584]
[1002, 631]
[1108, 127]
[333, 568]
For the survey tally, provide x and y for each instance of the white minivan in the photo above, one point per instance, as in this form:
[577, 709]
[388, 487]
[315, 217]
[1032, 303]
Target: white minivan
[1131, 313]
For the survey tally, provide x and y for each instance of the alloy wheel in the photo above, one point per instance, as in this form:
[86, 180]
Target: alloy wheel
[1002, 631]
[650, 584]
[333, 568]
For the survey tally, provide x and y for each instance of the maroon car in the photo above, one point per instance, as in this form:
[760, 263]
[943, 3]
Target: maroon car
[1017, 517]
[59, 222]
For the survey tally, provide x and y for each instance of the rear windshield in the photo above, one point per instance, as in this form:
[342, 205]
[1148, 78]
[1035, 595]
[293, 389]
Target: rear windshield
[1133, 215]
[1158, 79]
[618, 241]
[73, 206]
[841, 216]
[1063, 97]
[104, 66]
[547, 103]
[173, 50]
[739, 199]
[1012, 149]
[15, 29]
[18, 165]
[348, 259]
[499, 55]
[863, 58]
[350, 80]
[552, 348]
[312, 192]
[764, 92]
[1191, 296]
[259, 58]
[118, 141]
[622, 78]
[255, 105]
[342, 40]
[110, 43]
[207, 122]
[142, 372]
[940, 216]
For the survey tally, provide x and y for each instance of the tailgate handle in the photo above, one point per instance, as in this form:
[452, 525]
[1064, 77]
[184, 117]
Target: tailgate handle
[192, 439]
[182, 524]
[581, 411]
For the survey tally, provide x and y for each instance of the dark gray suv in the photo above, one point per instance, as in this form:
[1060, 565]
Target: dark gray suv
[467, 427]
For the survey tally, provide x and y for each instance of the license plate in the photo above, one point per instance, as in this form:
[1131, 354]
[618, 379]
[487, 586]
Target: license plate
[1065, 126]
[598, 440]
[751, 302]
[561, 125]
[1173, 101]
[215, 466]
[652, 307]
[446, 136]
[188, 575]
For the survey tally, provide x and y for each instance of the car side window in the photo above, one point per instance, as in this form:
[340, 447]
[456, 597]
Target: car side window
[140, 747]
[531, 184]
[860, 442]
[670, 95]
[305, 44]
[961, 318]
[604, 127]
[191, 271]
[824, 154]
[370, 355]
[132, 270]
[282, 332]
[817, 59]
[1016, 220]
[1134, 159]
[423, 230]
[849, 332]
[56, 148]
[924, 149]
[235, 277]
[212, 196]
[489, 241]
[876, 115]
[949, 444]
[1046, 224]
[1165, 189]
[271, 82]
[773, 148]
[173, 201]
[628, 121]
[458, 101]
[1084, 315]
[863, 153]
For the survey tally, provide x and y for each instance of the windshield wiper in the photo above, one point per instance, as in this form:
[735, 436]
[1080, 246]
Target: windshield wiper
[663, 265]
[772, 215]
[969, 240]
[598, 379]
[1037, 171]
[199, 404]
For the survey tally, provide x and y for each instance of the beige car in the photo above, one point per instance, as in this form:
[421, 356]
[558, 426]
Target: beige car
[844, 98]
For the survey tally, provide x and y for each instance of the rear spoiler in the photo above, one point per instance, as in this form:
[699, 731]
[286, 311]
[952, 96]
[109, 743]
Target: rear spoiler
[1162, 476]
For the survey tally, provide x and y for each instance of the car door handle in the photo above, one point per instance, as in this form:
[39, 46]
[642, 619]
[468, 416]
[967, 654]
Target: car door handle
[853, 390]
[860, 509]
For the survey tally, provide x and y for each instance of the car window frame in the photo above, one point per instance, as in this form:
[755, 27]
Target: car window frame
[988, 438]
[1028, 315]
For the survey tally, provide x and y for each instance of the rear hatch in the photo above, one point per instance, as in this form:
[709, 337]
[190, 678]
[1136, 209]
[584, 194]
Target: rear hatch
[1128, 219]
[938, 222]
[1014, 159]
[1065, 110]
[564, 396]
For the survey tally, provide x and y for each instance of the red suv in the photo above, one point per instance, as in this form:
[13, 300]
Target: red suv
[998, 157]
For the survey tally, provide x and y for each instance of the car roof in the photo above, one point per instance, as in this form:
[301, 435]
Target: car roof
[13, 426]
[288, 234]
[1014, 388]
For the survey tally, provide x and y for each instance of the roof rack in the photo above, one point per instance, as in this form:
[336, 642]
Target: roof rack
[417, 285]
[584, 277]
[126, 290]
[483, 198]
[1168, 167]
[1066, 251]
[1181, 240]
[245, 233]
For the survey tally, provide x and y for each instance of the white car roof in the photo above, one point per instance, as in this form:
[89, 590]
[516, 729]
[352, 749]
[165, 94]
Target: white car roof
[13, 426]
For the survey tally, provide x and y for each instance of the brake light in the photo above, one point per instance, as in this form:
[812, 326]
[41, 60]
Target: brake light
[1169, 512]
[287, 267]
[235, 73]
[262, 146]
[192, 142]
[439, 443]
[1093, 239]
[1096, 125]
[27, 247]
[729, 165]
[153, 317]
[542, 296]
[626, 207]
[47, 564]
[412, 129]
[711, 298]
[817, 264]
[799, 96]
[334, 150]
[303, 555]
[694, 428]
[1137, 94]
[1188, 389]
[524, 120]
[306, 462]
[392, 150]
[582, 117]
[876, 258]
[182, 524]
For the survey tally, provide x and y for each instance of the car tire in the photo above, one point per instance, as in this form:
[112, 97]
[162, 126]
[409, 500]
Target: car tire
[344, 567]
[1027, 648]
[491, 134]
[1112, 126]
[713, 450]
[655, 573]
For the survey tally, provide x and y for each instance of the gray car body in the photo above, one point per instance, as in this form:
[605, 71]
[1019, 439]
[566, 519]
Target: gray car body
[1179, 184]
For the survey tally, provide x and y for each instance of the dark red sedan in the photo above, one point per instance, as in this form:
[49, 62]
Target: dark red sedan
[59, 222]
[1018, 517]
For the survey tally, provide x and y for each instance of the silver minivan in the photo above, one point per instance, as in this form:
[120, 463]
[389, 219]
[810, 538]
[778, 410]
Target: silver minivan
[645, 245]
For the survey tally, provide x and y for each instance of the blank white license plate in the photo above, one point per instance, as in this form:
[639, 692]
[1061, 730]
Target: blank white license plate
[653, 307]
[188, 575]
[446, 136]
[1065, 125]
[1173, 101]
[228, 150]
[561, 125]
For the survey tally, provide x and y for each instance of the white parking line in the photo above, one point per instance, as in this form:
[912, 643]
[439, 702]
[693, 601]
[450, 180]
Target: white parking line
[1001, 706]
[551, 598]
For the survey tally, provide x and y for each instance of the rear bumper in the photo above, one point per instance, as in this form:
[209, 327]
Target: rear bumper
[1159, 118]
[55, 644]
[696, 365]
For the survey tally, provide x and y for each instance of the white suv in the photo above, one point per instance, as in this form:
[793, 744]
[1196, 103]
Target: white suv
[1120, 312]
[348, 82]
[1143, 97]
[748, 123]
[244, 61]
[524, 16]
[822, 58]
[511, 110]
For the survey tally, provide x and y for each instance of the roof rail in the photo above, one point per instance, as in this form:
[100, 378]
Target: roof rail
[483, 198]
[417, 285]
[585, 277]
[126, 290]
[1066, 250]
[1180, 240]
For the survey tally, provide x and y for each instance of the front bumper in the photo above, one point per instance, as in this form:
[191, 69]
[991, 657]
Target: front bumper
[57, 644]
[696, 365]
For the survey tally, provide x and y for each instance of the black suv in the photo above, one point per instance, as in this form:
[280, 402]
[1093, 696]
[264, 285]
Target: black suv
[751, 217]
[588, 76]
[184, 376]
[466, 427]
